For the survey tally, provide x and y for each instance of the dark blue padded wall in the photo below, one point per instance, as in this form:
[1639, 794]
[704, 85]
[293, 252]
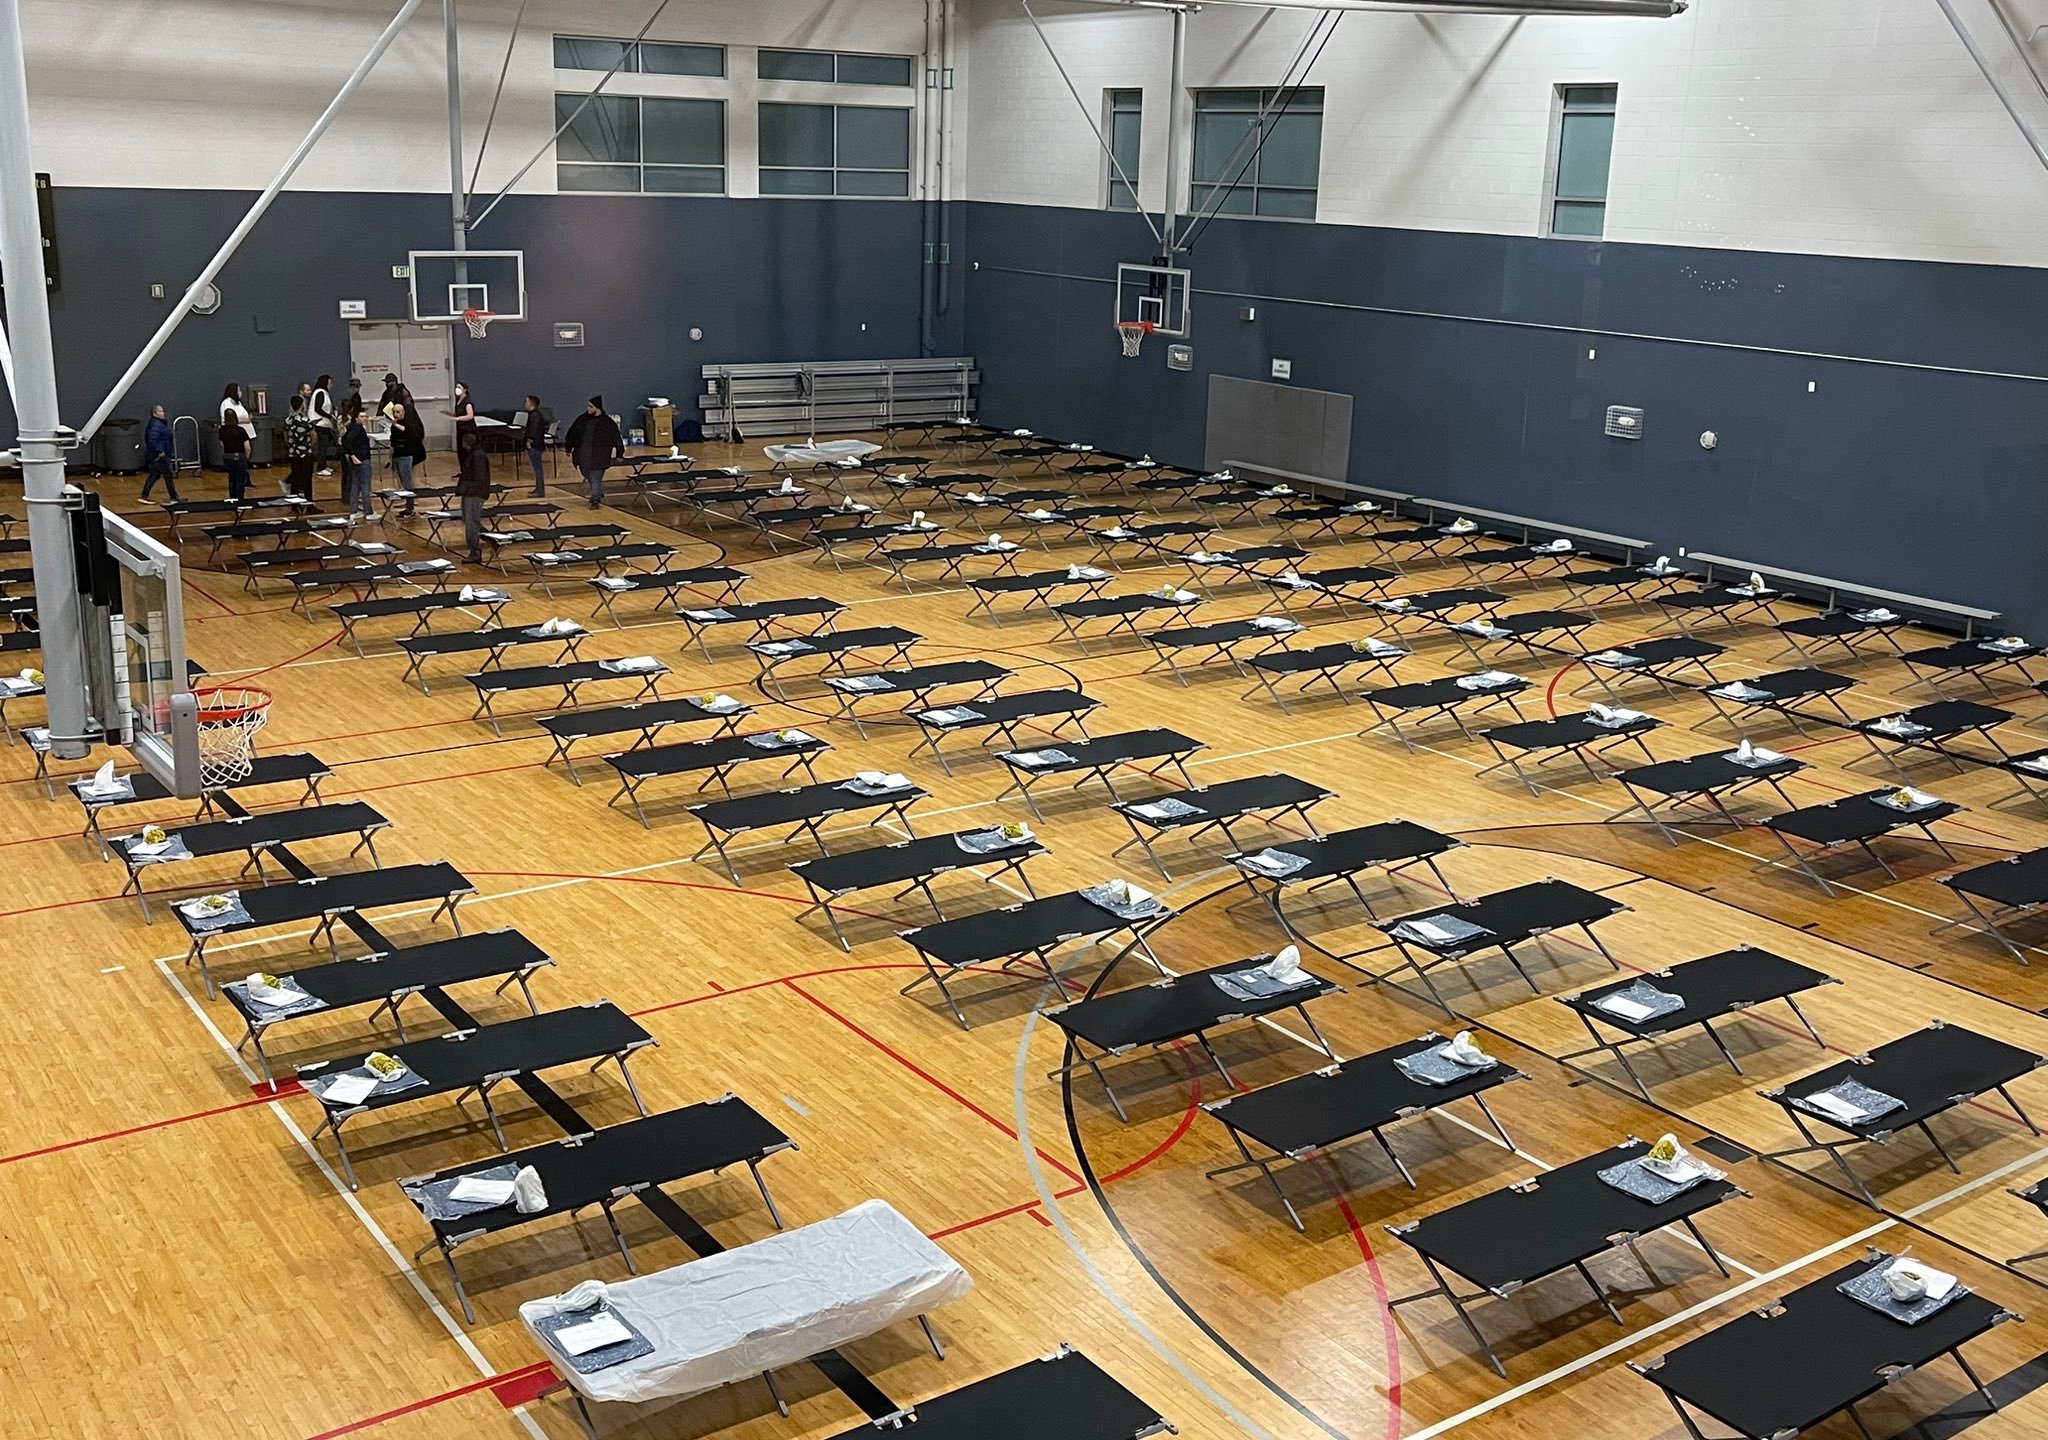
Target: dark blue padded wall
[1467, 355]
[764, 280]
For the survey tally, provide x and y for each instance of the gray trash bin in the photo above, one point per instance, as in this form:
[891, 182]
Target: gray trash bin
[118, 447]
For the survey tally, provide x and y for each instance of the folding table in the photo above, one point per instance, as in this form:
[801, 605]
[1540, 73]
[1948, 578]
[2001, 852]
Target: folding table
[1854, 820]
[1559, 1220]
[1063, 1394]
[642, 719]
[912, 864]
[1095, 758]
[1713, 987]
[1929, 1073]
[715, 759]
[802, 809]
[388, 978]
[1305, 1118]
[2011, 889]
[601, 1168]
[1188, 813]
[1028, 931]
[1783, 1368]
[1499, 921]
[474, 1061]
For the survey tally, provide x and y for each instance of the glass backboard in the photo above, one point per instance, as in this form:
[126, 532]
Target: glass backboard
[152, 705]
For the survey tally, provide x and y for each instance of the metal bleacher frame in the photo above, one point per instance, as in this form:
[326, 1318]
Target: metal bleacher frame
[837, 396]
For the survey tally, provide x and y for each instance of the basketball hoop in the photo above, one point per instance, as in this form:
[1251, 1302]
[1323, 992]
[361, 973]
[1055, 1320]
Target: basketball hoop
[229, 717]
[478, 321]
[1133, 333]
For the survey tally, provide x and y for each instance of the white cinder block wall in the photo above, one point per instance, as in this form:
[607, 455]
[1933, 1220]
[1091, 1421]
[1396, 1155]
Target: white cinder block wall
[1855, 127]
[214, 94]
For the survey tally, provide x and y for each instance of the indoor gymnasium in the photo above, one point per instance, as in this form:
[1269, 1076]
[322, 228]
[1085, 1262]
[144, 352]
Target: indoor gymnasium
[1024, 719]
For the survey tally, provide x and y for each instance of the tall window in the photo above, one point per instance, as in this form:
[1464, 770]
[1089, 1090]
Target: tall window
[644, 57]
[1248, 172]
[1126, 126]
[835, 150]
[1585, 150]
[836, 67]
[641, 143]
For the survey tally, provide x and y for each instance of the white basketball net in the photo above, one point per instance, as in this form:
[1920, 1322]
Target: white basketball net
[478, 321]
[228, 722]
[1133, 333]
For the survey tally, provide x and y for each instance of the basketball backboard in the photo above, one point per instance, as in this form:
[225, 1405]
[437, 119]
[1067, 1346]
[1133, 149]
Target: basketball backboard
[1158, 294]
[445, 283]
[152, 706]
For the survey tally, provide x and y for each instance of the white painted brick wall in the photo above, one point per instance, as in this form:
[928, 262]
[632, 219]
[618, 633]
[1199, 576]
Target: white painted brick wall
[1830, 126]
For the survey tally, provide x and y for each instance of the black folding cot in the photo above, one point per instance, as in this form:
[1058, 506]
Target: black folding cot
[1035, 586]
[571, 679]
[1711, 780]
[1858, 820]
[2001, 893]
[1001, 716]
[248, 835]
[1304, 1119]
[1339, 859]
[1187, 814]
[642, 719]
[421, 608]
[715, 759]
[474, 1062]
[1572, 737]
[914, 686]
[1714, 987]
[667, 583]
[1454, 933]
[913, 864]
[600, 1168]
[1442, 699]
[1064, 1394]
[1320, 665]
[1096, 758]
[758, 618]
[801, 810]
[491, 644]
[1777, 693]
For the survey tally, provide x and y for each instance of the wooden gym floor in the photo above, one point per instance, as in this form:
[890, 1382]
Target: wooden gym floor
[175, 1259]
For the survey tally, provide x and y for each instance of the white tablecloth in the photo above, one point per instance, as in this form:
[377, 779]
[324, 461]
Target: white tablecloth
[820, 452]
[762, 1306]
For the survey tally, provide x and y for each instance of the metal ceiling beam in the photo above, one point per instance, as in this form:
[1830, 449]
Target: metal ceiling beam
[1644, 9]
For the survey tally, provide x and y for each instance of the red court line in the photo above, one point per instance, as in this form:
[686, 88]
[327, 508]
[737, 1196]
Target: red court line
[492, 1383]
[64, 1145]
[1390, 1332]
[930, 1079]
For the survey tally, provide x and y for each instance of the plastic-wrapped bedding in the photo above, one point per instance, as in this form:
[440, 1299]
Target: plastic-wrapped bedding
[731, 1316]
[820, 452]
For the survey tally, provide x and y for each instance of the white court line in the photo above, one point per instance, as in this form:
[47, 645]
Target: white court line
[349, 1198]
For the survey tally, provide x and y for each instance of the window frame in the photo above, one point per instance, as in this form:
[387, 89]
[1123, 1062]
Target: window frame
[633, 65]
[1561, 113]
[640, 164]
[835, 78]
[1201, 192]
[1115, 190]
[836, 168]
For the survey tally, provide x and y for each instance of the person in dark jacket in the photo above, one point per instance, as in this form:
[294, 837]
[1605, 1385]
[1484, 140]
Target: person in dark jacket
[408, 443]
[594, 441]
[298, 449]
[234, 454]
[159, 454]
[536, 441]
[355, 462]
[473, 488]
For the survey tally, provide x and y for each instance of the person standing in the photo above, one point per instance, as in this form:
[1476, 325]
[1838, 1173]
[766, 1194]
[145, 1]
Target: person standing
[234, 452]
[231, 404]
[321, 410]
[536, 441]
[595, 442]
[464, 415]
[159, 454]
[408, 444]
[355, 463]
[473, 488]
[298, 449]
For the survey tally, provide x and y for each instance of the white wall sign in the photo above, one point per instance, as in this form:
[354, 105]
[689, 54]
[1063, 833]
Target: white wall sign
[354, 309]
[1283, 369]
